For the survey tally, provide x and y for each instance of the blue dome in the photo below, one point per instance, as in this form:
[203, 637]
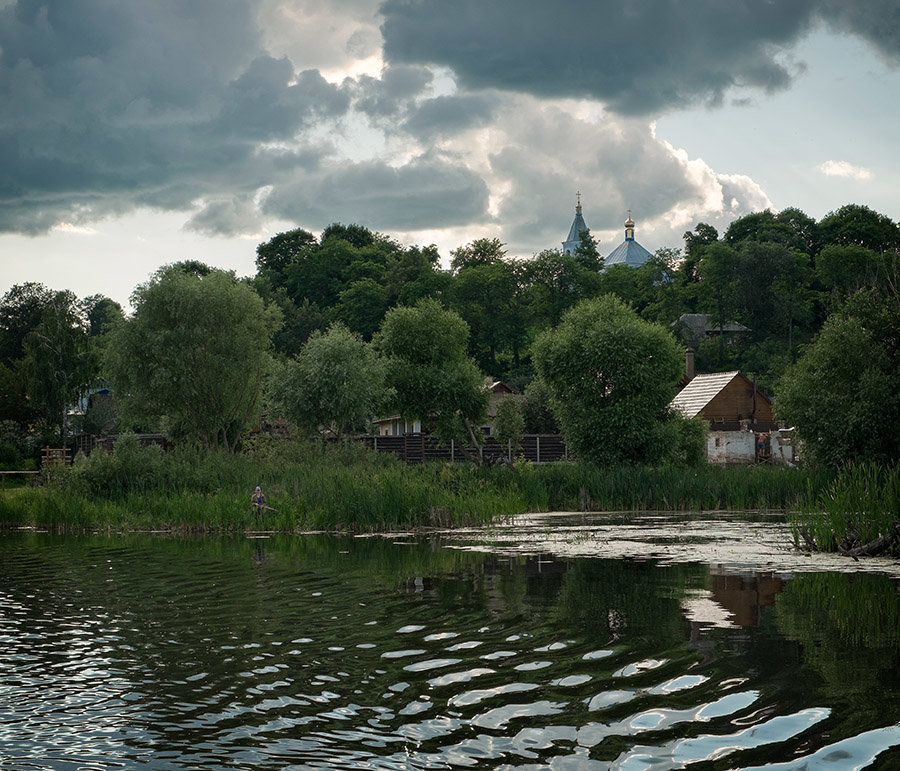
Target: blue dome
[629, 252]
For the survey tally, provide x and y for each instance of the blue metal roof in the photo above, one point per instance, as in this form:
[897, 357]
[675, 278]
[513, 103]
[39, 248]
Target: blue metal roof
[630, 253]
[574, 237]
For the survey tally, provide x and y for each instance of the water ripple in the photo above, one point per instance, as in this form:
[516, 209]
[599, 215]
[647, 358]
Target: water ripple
[205, 656]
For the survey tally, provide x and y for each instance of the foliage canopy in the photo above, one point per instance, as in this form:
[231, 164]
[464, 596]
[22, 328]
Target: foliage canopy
[433, 378]
[336, 383]
[612, 376]
[194, 354]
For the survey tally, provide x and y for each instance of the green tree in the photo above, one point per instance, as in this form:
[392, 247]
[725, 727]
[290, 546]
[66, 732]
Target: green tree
[362, 306]
[487, 298]
[358, 236]
[555, 282]
[805, 230]
[298, 321]
[58, 363]
[509, 425]
[195, 354]
[844, 270]
[14, 402]
[428, 368]
[413, 274]
[701, 236]
[842, 394]
[612, 376]
[101, 314]
[536, 410]
[716, 291]
[336, 384]
[661, 300]
[791, 228]
[21, 310]
[318, 276]
[859, 225]
[481, 251]
[275, 255]
[586, 253]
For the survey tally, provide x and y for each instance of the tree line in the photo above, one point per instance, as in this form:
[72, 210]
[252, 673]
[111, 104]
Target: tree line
[332, 329]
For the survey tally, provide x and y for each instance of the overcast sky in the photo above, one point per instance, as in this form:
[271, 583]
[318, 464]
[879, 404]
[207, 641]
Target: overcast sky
[135, 133]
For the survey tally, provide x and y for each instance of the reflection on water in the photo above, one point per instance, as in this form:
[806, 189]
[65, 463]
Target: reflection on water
[325, 652]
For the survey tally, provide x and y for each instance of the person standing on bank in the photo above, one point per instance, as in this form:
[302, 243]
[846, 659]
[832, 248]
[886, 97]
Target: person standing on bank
[258, 500]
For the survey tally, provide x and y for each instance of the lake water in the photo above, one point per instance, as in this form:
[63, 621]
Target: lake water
[150, 651]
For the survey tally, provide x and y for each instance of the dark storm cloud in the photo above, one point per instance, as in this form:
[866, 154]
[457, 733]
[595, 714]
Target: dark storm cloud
[263, 103]
[447, 115]
[429, 192]
[231, 216]
[111, 105]
[393, 92]
[637, 56]
[876, 21]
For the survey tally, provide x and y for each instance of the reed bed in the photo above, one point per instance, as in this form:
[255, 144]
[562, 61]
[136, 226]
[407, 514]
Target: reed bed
[315, 487]
[706, 488]
[859, 506]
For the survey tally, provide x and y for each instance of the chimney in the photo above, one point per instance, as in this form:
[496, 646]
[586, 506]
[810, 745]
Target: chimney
[689, 365]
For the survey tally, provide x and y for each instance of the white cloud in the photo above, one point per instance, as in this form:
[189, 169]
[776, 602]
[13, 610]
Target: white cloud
[844, 169]
[68, 227]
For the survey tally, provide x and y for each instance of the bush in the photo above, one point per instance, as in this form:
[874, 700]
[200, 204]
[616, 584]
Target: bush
[130, 468]
[9, 456]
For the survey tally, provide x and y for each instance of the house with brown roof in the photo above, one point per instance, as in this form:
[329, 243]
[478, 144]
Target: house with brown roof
[742, 425]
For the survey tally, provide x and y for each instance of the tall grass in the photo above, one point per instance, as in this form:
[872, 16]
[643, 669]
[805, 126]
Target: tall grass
[315, 487]
[860, 505]
[704, 488]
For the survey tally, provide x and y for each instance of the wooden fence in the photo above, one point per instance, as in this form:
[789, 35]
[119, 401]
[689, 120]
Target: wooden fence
[31, 476]
[418, 448]
[412, 448]
[87, 443]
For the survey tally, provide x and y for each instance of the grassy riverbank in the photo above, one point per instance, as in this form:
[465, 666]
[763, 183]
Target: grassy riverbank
[349, 489]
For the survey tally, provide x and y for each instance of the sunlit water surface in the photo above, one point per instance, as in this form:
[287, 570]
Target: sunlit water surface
[328, 652]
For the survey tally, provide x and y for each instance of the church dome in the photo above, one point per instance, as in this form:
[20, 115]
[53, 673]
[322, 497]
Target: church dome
[629, 252]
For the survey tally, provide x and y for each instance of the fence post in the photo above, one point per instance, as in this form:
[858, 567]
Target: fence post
[453, 451]
[538, 448]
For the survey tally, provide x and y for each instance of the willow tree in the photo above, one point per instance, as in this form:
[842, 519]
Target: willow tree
[58, 363]
[335, 384]
[194, 354]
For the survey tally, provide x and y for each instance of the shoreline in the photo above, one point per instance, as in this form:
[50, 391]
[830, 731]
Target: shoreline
[737, 541]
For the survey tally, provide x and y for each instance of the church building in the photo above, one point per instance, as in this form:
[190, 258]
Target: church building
[573, 239]
[629, 252]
